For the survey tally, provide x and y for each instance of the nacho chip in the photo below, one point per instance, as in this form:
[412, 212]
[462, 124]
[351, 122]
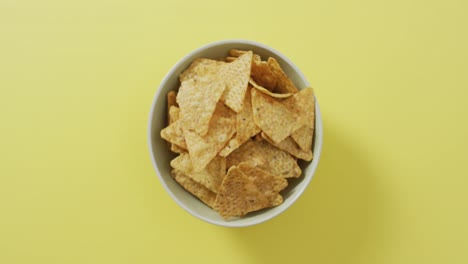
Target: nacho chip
[230, 59]
[261, 154]
[245, 127]
[273, 117]
[203, 149]
[174, 134]
[171, 101]
[240, 194]
[195, 188]
[290, 146]
[200, 67]
[263, 75]
[305, 102]
[236, 75]
[268, 92]
[267, 183]
[284, 84]
[173, 117]
[210, 177]
[197, 99]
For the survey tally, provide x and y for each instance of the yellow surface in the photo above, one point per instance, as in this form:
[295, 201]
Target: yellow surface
[77, 79]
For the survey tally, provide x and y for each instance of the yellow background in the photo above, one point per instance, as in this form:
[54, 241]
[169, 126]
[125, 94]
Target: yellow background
[77, 79]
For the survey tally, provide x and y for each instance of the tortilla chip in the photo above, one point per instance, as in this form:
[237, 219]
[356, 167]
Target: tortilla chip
[245, 127]
[171, 101]
[174, 134]
[238, 195]
[305, 101]
[284, 84]
[266, 91]
[230, 59]
[198, 190]
[173, 117]
[203, 149]
[210, 177]
[261, 154]
[197, 99]
[290, 146]
[263, 75]
[200, 67]
[236, 75]
[267, 183]
[273, 117]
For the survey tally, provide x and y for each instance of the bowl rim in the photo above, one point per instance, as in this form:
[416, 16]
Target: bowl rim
[318, 135]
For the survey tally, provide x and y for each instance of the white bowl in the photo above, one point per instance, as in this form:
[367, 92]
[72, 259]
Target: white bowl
[161, 155]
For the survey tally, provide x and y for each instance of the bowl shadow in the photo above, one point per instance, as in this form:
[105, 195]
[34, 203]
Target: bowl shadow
[337, 220]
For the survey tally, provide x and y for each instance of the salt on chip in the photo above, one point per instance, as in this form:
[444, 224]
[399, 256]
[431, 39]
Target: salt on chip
[239, 195]
[236, 76]
[266, 91]
[195, 188]
[197, 99]
[245, 127]
[261, 154]
[273, 117]
[284, 84]
[290, 146]
[203, 149]
[210, 177]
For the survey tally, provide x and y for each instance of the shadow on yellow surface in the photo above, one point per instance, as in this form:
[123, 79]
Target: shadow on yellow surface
[338, 219]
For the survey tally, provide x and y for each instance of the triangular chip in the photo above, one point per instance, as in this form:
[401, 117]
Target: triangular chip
[290, 146]
[173, 117]
[261, 154]
[245, 127]
[171, 101]
[263, 75]
[174, 134]
[200, 67]
[197, 99]
[240, 194]
[203, 149]
[273, 117]
[236, 75]
[195, 188]
[267, 183]
[284, 84]
[210, 177]
[305, 102]
[266, 91]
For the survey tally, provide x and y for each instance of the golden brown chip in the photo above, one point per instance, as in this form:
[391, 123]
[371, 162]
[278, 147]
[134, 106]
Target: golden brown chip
[230, 59]
[290, 146]
[284, 84]
[173, 117]
[245, 127]
[197, 99]
[174, 134]
[210, 177]
[171, 101]
[273, 117]
[268, 92]
[261, 154]
[238, 195]
[195, 188]
[203, 149]
[200, 67]
[263, 75]
[304, 101]
[267, 183]
[236, 75]
[237, 52]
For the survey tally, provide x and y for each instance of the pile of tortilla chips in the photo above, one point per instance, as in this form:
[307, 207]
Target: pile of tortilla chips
[239, 125]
